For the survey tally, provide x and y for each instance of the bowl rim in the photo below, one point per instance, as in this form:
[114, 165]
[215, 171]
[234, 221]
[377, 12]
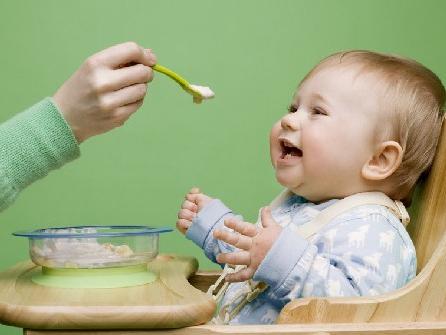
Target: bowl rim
[139, 230]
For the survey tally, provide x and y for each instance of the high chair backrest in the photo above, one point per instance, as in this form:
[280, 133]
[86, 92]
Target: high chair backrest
[428, 212]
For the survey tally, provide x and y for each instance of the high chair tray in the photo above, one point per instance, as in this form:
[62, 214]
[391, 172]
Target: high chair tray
[168, 302]
[414, 328]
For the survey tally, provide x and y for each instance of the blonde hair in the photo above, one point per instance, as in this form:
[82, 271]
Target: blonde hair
[413, 101]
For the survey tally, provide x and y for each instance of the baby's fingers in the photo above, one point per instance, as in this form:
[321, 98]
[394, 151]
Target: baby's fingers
[241, 275]
[186, 214]
[241, 227]
[192, 194]
[235, 239]
[235, 258]
[183, 225]
[190, 206]
[192, 197]
[194, 190]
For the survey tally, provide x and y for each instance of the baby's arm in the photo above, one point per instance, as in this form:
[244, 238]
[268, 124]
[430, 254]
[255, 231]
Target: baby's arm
[338, 264]
[199, 216]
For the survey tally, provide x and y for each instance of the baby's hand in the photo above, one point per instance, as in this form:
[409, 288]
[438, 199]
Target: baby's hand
[195, 201]
[255, 243]
[107, 88]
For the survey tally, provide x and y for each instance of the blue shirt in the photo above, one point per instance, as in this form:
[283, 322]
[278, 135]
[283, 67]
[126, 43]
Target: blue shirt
[363, 252]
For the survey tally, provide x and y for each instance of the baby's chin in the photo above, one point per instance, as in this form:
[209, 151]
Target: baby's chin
[293, 185]
[299, 188]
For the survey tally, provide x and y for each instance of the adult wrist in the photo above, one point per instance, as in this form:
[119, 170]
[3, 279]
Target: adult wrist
[58, 102]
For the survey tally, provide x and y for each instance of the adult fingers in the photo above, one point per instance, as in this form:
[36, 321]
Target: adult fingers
[125, 53]
[124, 96]
[241, 227]
[127, 76]
[237, 240]
[235, 258]
[241, 275]
[151, 56]
[121, 114]
[189, 205]
[183, 225]
[186, 214]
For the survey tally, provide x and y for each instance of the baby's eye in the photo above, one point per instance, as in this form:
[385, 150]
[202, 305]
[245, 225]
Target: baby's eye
[292, 109]
[318, 111]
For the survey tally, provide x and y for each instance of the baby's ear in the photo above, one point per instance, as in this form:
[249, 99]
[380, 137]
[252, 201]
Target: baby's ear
[386, 159]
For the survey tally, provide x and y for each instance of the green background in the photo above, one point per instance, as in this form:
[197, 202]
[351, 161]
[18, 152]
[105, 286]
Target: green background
[251, 53]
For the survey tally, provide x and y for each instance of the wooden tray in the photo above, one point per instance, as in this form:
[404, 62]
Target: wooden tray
[169, 302]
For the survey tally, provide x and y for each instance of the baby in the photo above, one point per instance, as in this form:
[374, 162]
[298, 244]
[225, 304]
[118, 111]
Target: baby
[361, 129]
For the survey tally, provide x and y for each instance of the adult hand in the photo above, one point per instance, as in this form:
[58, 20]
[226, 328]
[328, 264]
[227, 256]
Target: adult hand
[108, 87]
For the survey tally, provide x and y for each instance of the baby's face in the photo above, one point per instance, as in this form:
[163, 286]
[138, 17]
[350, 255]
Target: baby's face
[319, 147]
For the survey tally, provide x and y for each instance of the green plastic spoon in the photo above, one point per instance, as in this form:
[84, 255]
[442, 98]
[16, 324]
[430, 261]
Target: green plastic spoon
[199, 93]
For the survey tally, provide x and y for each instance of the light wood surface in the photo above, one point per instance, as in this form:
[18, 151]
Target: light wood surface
[420, 328]
[202, 280]
[429, 225]
[169, 302]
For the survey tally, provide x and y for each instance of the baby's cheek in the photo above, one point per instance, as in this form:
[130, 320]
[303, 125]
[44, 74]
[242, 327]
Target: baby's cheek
[315, 150]
[320, 160]
[324, 144]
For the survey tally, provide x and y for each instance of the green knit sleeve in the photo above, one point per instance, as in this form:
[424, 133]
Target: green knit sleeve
[32, 144]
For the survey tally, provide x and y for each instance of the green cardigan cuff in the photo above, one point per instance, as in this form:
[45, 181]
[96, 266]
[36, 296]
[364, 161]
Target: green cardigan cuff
[33, 143]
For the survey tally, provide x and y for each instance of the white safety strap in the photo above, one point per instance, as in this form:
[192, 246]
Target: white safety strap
[355, 200]
[217, 296]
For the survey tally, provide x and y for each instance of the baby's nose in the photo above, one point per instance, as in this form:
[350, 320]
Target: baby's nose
[290, 122]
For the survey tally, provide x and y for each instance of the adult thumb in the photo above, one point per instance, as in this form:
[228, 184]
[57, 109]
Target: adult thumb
[266, 217]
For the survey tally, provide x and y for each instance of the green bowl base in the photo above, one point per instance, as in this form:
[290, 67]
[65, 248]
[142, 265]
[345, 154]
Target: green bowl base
[125, 276]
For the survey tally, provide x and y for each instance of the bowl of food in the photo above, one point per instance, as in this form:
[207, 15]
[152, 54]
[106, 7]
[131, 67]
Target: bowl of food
[76, 251]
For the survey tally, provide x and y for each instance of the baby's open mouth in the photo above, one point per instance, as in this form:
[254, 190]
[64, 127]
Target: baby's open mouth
[289, 149]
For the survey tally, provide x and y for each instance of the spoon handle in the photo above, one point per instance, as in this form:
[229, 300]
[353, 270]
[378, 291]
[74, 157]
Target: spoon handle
[175, 76]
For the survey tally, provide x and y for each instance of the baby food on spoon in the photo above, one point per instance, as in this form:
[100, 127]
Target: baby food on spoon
[204, 93]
